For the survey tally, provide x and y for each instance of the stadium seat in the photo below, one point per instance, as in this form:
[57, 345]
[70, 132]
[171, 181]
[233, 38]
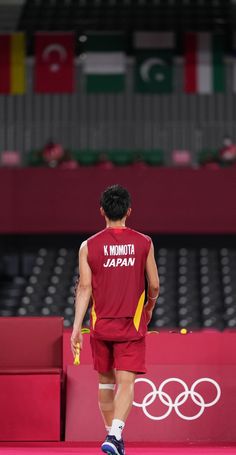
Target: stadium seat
[181, 158]
[34, 158]
[68, 164]
[86, 157]
[121, 157]
[153, 157]
[208, 156]
[10, 265]
[10, 158]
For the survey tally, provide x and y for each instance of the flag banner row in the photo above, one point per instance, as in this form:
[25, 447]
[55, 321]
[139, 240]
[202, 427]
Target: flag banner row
[104, 62]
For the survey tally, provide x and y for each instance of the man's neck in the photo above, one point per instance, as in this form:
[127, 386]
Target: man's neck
[119, 224]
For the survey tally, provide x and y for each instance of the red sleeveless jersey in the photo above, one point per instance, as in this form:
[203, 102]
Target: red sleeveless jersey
[117, 258]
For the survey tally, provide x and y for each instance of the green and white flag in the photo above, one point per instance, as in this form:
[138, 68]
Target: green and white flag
[154, 61]
[104, 63]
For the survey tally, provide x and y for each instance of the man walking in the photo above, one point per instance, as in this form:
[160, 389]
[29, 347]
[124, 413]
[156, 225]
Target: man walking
[112, 266]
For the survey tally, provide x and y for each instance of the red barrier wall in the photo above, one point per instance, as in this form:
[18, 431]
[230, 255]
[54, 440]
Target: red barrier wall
[188, 393]
[31, 378]
[163, 200]
[172, 403]
[30, 406]
[205, 347]
[26, 347]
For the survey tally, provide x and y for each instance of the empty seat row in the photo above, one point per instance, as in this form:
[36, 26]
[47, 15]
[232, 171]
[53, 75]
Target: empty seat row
[197, 286]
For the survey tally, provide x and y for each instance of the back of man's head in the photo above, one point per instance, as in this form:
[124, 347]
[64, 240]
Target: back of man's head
[115, 201]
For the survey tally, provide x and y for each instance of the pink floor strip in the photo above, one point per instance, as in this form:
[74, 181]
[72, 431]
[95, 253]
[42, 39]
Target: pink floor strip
[201, 450]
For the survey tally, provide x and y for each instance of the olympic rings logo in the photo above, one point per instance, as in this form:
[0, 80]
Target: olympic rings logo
[179, 400]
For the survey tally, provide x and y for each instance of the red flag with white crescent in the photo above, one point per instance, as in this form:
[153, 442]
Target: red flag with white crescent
[54, 62]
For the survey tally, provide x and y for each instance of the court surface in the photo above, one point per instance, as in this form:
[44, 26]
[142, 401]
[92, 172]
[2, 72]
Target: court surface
[73, 448]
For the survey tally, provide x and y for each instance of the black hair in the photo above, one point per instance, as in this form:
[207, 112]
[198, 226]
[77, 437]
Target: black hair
[115, 201]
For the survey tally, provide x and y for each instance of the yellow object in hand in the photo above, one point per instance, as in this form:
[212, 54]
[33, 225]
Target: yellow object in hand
[77, 355]
[77, 351]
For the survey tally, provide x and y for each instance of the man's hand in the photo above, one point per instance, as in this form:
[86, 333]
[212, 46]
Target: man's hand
[148, 313]
[76, 337]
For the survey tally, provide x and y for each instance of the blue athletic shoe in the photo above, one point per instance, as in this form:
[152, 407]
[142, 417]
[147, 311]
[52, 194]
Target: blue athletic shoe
[112, 446]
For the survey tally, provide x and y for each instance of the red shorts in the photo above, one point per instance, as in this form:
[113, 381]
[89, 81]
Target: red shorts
[121, 355]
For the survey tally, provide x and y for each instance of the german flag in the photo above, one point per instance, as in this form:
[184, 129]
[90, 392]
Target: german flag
[12, 63]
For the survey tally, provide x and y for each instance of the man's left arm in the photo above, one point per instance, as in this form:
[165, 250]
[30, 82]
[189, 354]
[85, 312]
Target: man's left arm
[82, 298]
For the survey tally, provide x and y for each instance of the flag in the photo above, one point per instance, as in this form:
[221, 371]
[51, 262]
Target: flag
[104, 63]
[154, 61]
[204, 70]
[54, 62]
[12, 64]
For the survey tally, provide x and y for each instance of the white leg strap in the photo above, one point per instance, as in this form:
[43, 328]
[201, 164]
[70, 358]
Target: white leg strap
[107, 386]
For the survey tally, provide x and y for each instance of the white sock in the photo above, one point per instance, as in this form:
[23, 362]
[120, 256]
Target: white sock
[108, 429]
[117, 428]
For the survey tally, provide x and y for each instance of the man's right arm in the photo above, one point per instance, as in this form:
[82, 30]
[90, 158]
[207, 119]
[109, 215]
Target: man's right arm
[153, 282]
[82, 297]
